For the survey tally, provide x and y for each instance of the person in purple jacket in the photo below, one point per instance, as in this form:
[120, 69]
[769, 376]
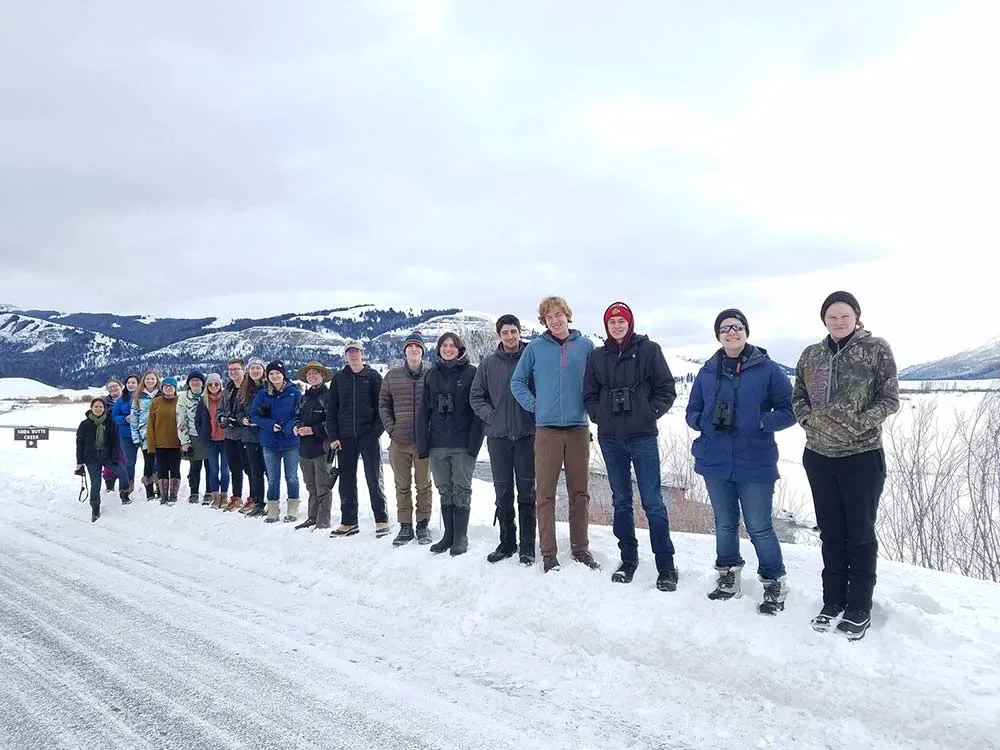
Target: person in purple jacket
[739, 399]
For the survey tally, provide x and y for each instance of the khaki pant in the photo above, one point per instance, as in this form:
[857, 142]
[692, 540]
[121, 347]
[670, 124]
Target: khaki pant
[408, 470]
[317, 479]
[554, 449]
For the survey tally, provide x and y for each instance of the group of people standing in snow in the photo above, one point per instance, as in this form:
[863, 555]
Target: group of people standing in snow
[533, 403]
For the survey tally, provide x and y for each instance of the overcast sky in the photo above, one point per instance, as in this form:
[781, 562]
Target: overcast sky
[243, 158]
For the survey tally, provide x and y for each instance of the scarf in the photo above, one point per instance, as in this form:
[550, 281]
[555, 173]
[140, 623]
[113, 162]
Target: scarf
[99, 423]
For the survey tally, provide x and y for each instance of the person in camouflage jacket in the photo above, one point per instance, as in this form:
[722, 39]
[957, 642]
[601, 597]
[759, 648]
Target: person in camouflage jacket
[845, 388]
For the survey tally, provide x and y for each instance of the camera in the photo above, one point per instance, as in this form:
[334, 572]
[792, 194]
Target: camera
[724, 416]
[446, 403]
[225, 420]
[80, 472]
[621, 400]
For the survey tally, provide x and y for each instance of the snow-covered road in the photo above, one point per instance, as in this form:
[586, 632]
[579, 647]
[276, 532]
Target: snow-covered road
[190, 628]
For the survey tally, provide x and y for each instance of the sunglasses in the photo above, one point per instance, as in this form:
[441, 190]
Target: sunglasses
[735, 327]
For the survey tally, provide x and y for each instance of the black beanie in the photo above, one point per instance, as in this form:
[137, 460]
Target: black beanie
[732, 312]
[845, 297]
[276, 365]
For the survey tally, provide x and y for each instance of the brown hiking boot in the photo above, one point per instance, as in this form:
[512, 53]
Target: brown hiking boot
[248, 506]
[234, 502]
[587, 559]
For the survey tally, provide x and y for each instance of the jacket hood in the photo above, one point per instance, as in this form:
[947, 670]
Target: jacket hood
[752, 355]
[460, 361]
[630, 345]
[573, 334]
[510, 355]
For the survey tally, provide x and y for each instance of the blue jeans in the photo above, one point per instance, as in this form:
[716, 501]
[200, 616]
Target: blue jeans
[94, 471]
[217, 474]
[644, 454]
[130, 450]
[755, 499]
[273, 459]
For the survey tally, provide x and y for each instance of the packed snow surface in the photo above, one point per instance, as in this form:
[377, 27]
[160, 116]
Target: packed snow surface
[185, 627]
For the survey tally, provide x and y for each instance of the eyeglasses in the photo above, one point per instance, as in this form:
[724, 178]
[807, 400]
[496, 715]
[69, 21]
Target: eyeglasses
[735, 327]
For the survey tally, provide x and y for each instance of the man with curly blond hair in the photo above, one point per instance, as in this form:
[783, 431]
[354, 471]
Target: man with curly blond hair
[548, 382]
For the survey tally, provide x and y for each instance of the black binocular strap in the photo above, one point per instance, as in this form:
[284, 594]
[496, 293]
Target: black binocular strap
[736, 380]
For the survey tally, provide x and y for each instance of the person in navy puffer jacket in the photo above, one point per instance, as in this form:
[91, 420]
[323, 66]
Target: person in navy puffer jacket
[739, 399]
[273, 411]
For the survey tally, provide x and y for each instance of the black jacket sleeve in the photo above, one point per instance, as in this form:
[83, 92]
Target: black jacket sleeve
[663, 390]
[81, 441]
[592, 385]
[332, 407]
[375, 388]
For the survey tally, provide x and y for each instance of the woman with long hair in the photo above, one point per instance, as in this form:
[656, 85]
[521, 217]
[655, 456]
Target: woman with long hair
[213, 436]
[162, 440]
[148, 389]
[121, 413]
[253, 382]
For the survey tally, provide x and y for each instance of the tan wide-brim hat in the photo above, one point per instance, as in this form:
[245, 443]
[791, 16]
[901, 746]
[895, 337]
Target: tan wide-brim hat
[300, 374]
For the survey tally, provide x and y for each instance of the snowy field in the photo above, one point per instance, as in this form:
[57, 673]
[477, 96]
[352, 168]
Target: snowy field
[185, 627]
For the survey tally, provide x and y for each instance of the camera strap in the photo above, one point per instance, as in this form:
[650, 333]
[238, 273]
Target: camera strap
[84, 489]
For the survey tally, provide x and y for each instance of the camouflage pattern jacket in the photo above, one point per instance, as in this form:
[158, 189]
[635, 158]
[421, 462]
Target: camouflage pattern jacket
[843, 394]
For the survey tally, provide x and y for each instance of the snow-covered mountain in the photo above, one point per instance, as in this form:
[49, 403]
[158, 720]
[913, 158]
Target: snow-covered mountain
[980, 363]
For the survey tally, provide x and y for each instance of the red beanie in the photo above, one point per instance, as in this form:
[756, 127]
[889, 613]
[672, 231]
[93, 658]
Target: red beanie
[619, 310]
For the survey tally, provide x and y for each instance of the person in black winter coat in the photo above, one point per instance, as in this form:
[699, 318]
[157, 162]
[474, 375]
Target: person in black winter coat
[510, 438]
[450, 433]
[96, 448]
[310, 426]
[627, 387]
[353, 427]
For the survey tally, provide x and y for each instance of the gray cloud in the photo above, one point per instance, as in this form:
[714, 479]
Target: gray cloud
[330, 147]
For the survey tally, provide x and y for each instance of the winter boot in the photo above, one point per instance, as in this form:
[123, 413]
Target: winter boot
[550, 562]
[273, 511]
[775, 591]
[109, 484]
[526, 521]
[344, 530]
[667, 579]
[193, 497]
[381, 529]
[448, 516]
[728, 583]
[585, 558]
[218, 501]
[175, 488]
[208, 498]
[460, 542]
[308, 523]
[292, 514]
[248, 506]
[95, 512]
[126, 500]
[854, 624]
[147, 484]
[404, 536]
[625, 572]
[508, 537]
[164, 493]
[234, 502]
[824, 621]
[423, 532]
[258, 510]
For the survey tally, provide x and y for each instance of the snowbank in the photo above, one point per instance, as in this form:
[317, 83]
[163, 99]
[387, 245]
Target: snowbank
[485, 655]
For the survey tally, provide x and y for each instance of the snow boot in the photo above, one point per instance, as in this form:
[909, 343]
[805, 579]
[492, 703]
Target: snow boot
[460, 542]
[381, 529]
[147, 484]
[827, 617]
[95, 512]
[775, 592]
[550, 562]
[273, 511]
[444, 544]
[208, 498]
[585, 558]
[164, 493]
[625, 572]
[256, 511]
[109, 484]
[247, 506]
[292, 514]
[423, 532]
[667, 580]
[126, 500]
[234, 502]
[854, 624]
[308, 523]
[404, 536]
[344, 530]
[728, 583]
[175, 488]
[218, 501]
[526, 522]
[508, 537]
[193, 497]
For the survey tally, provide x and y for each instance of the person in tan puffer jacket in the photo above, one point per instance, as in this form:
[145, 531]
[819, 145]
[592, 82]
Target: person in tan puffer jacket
[162, 440]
